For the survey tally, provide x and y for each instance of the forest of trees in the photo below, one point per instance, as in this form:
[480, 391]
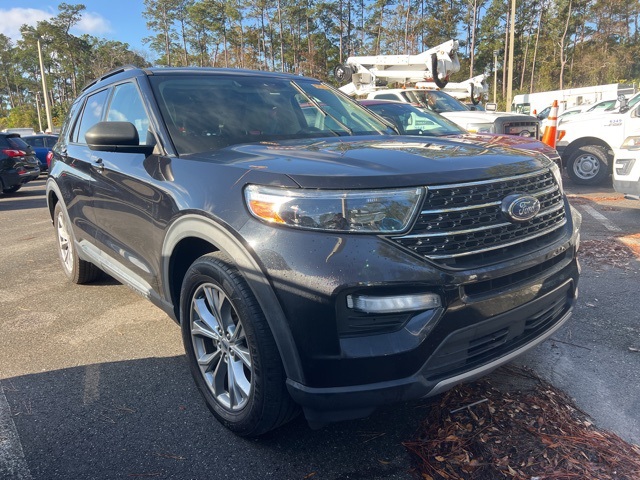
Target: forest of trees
[558, 43]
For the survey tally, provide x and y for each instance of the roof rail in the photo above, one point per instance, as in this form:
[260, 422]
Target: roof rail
[110, 73]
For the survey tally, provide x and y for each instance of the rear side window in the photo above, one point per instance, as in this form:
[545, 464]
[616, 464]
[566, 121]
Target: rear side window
[35, 142]
[92, 114]
[50, 142]
[16, 143]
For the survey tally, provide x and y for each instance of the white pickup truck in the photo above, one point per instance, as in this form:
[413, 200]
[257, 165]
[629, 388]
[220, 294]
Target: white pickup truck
[586, 142]
[475, 121]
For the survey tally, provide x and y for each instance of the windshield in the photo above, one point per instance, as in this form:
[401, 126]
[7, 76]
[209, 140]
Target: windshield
[633, 100]
[435, 100]
[410, 120]
[207, 112]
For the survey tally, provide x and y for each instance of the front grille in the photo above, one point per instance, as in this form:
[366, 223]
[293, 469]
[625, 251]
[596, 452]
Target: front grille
[526, 128]
[464, 222]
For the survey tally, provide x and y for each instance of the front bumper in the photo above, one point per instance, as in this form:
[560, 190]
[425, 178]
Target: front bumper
[464, 355]
[626, 173]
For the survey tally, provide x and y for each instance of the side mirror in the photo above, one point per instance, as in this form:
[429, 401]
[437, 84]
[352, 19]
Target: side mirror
[116, 137]
[491, 107]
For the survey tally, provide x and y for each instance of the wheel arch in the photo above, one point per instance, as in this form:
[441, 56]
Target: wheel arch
[192, 236]
[53, 195]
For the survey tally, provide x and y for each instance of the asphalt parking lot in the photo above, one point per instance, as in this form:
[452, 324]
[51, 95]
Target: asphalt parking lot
[94, 384]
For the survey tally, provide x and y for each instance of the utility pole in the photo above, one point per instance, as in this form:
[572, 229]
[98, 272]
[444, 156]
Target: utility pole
[512, 29]
[495, 75]
[38, 110]
[44, 90]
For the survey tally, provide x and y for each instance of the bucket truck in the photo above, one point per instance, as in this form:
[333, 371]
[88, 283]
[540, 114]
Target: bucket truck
[429, 73]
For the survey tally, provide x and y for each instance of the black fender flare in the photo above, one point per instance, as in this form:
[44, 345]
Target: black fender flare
[198, 226]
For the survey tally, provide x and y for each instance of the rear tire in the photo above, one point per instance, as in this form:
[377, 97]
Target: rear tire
[77, 270]
[230, 349]
[588, 165]
[13, 189]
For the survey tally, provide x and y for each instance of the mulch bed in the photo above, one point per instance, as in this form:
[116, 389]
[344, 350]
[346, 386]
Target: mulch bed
[484, 431]
[611, 251]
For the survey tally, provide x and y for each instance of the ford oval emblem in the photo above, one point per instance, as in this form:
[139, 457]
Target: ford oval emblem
[520, 207]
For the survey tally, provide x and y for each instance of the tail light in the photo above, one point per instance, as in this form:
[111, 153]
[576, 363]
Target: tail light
[49, 158]
[14, 153]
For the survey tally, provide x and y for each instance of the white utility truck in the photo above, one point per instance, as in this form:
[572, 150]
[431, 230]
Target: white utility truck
[570, 97]
[368, 76]
[586, 143]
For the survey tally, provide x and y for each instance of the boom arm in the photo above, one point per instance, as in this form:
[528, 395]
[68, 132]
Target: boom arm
[365, 73]
[472, 88]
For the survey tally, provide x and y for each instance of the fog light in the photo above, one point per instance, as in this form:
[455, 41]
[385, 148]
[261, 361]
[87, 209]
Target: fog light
[401, 303]
[624, 166]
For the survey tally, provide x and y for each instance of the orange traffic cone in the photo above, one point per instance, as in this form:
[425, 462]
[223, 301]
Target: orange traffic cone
[551, 132]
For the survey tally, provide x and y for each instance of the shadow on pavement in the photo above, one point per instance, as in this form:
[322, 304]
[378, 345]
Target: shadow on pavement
[145, 418]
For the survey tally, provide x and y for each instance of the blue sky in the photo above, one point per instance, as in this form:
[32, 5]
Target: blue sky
[110, 19]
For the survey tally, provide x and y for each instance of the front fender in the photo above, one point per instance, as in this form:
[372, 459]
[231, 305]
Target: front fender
[196, 226]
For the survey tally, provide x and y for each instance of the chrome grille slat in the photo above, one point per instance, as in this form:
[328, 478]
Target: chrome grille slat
[462, 220]
[478, 229]
[491, 204]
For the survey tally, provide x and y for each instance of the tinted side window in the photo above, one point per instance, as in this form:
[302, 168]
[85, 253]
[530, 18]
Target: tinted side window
[387, 96]
[3, 141]
[126, 106]
[91, 115]
[35, 142]
[50, 142]
[17, 143]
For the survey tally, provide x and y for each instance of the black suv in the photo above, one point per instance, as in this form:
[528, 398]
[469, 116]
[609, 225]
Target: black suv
[313, 257]
[18, 163]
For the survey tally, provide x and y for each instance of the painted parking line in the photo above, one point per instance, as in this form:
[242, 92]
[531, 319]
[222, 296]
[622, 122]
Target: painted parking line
[12, 462]
[601, 218]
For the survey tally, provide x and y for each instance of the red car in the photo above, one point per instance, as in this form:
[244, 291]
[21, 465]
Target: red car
[411, 120]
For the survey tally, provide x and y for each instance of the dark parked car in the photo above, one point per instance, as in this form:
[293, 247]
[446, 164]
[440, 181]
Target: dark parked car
[313, 257]
[411, 120]
[18, 164]
[42, 145]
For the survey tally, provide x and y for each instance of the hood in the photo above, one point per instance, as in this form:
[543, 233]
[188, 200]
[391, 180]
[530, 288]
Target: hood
[510, 141]
[378, 162]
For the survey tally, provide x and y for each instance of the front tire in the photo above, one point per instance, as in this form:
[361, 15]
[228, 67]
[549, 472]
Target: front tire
[230, 349]
[588, 165]
[77, 270]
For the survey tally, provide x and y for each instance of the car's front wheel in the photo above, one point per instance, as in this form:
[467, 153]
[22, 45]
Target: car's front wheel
[588, 165]
[77, 270]
[231, 351]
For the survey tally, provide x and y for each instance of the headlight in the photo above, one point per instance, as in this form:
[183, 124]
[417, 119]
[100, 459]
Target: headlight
[631, 143]
[367, 211]
[558, 174]
[480, 127]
